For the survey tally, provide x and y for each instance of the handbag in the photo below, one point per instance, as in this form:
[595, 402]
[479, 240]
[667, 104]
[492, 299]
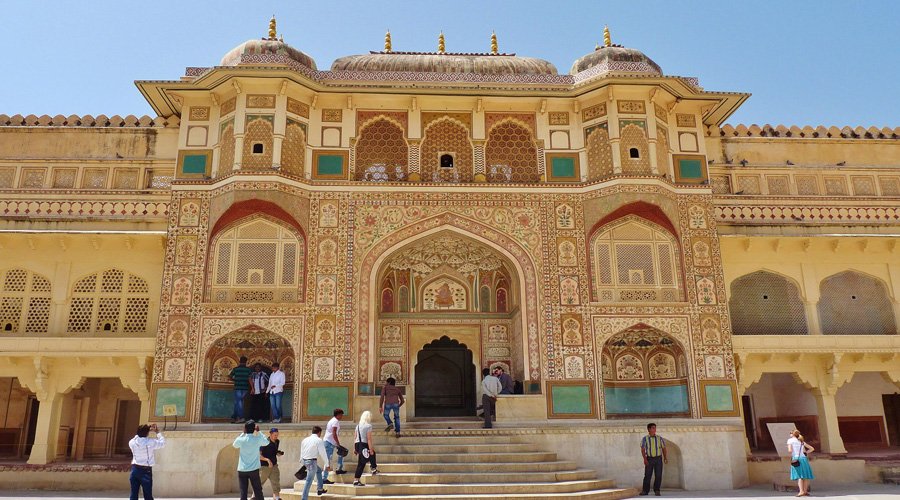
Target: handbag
[301, 473]
[342, 451]
[795, 462]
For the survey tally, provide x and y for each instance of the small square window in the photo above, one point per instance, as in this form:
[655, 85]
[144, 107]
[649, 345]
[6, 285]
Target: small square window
[258, 148]
[634, 153]
[446, 160]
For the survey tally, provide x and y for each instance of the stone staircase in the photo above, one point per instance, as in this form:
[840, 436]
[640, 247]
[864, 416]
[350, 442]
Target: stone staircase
[466, 462]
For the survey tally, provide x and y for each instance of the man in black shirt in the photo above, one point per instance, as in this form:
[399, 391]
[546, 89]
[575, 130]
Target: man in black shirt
[268, 461]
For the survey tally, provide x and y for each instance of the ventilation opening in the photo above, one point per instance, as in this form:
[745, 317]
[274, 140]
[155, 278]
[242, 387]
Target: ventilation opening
[853, 297]
[446, 161]
[258, 148]
[765, 297]
[107, 327]
[7, 327]
[634, 153]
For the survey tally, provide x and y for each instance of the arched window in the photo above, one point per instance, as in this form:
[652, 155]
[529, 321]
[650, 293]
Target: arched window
[293, 149]
[764, 303]
[109, 302]
[599, 152]
[511, 154]
[634, 149]
[24, 302]
[852, 303]
[258, 142]
[446, 152]
[635, 260]
[256, 261]
[381, 152]
[642, 375]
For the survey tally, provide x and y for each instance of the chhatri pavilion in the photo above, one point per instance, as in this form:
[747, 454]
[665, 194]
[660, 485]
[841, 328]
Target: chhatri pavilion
[599, 233]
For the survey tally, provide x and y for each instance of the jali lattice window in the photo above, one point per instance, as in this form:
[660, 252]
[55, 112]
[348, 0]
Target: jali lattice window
[24, 303]
[764, 303]
[635, 260]
[511, 148]
[256, 261]
[109, 302]
[381, 144]
[852, 303]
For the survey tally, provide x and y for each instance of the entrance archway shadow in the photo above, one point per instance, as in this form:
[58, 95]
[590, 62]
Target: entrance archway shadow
[226, 475]
[673, 472]
[445, 379]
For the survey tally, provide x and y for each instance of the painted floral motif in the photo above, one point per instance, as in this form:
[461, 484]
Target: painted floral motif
[702, 255]
[568, 290]
[571, 331]
[715, 367]
[178, 329]
[325, 331]
[185, 250]
[565, 217]
[174, 370]
[390, 369]
[327, 252]
[323, 369]
[628, 367]
[390, 334]
[662, 366]
[444, 294]
[498, 333]
[566, 255]
[189, 213]
[696, 217]
[709, 329]
[326, 290]
[328, 214]
[706, 291]
[574, 367]
[181, 291]
[222, 368]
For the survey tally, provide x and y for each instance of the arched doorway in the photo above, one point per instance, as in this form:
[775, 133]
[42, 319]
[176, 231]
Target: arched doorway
[445, 380]
[259, 346]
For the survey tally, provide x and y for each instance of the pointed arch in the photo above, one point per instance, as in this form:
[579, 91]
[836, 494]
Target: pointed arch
[766, 303]
[381, 150]
[109, 301]
[511, 153]
[25, 298]
[855, 303]
[446, 135]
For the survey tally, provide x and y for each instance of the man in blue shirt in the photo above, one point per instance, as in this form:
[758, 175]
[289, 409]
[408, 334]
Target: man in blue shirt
[249, 443]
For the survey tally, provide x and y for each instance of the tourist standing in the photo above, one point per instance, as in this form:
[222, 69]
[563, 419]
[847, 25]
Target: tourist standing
[364, 447]
[240, 376]
[142, 461]
[506, 382]
[653, 449]
[259, 384]
[801, 472]
[490, 389]
[391, 401]
[268, 457]
[248, 445]
[313, 456]
[333, 440]
[276, 391]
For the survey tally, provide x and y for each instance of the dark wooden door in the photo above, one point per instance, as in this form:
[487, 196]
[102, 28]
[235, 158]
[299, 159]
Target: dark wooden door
[445, 380]
[892, 417]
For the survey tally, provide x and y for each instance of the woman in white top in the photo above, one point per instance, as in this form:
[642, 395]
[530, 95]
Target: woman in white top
[363, 447]
[802, 472]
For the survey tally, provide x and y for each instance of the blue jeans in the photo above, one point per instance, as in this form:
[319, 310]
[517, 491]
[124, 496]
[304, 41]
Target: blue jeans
[141, 477]
[329, 449]
[312, 469]
[387, 411]
[275, 403]
[239, 403]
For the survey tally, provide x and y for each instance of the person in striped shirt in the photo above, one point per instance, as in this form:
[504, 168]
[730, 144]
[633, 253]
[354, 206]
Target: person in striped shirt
[653, 449]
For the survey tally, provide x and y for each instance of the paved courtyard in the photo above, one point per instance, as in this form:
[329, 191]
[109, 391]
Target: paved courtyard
[858, 491]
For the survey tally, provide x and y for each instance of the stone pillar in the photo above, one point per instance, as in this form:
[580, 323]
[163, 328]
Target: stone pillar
[828, 422]
[812, 318]
[47, 429]
[277, 141]
[478, 167]
[413, 161]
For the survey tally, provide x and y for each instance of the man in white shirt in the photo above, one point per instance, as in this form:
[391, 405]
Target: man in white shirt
[276, 391]
[142, 448]
[333, 440]
[313, 456]
[490, 389]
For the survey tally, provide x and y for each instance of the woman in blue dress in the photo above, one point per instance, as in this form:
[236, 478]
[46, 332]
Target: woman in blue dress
[801, 472]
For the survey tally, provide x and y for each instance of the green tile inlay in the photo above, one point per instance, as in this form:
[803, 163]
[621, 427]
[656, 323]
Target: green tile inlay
[719, 398]
[321, 401]
[194, 164]
[571, 399]
[690, 169]
[330, 165]
[170, 396]
[563, 167]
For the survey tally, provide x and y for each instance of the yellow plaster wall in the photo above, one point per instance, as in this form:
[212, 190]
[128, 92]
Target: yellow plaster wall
[100, 143]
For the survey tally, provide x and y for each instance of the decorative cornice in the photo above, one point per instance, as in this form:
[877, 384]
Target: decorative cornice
[805, 132]
[100, 121]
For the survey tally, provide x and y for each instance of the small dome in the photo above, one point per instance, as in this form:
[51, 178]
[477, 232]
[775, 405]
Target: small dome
[266, 51]
[433, 62]
[616, 58]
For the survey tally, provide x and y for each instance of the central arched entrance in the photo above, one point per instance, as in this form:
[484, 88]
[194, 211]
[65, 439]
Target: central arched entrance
[445, 380]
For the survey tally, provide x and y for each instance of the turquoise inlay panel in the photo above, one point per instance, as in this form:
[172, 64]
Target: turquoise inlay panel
[170, 396]
[218, 403]
[563, 167]
[321, 401]
[641, 400]
[719, 398]
[194, 164]
[690, 169]
[287, 403]
[571, 400]
[330, 165]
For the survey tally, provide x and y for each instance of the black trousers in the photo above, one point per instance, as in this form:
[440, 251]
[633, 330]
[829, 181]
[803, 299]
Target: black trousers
[489, 405]
[654, 466]
[361, 460]
[253, 478]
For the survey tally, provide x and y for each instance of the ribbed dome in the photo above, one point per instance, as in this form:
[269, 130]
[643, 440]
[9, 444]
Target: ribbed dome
[617, 58]
[433, 62]
[266, 51]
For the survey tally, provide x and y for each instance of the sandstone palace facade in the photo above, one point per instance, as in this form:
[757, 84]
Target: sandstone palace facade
[420, 215]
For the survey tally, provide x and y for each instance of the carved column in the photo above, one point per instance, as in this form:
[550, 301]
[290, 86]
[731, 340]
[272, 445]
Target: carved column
[46, 433]
[828, 421]
[478, 167]
[413, 163]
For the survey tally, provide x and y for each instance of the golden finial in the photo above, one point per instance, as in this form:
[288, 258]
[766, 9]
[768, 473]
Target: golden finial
[441, 43]
[272, 33]
[607, 41]
[494, 48]
[597, 47]
[387, 41]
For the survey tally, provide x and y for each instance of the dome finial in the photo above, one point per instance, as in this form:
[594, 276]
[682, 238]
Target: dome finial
[441, 43]
[273, 34]
[494, 48]
[387, 41]
[607, 41]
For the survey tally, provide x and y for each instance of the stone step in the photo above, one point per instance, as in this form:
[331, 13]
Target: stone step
[439, 467]
[423, 437]
[467, 489]
[533, 476]
[484, 457]
[414, 448]
[602, 494]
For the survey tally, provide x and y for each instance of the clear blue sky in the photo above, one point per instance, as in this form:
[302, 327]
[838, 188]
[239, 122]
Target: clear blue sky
[805, 62]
